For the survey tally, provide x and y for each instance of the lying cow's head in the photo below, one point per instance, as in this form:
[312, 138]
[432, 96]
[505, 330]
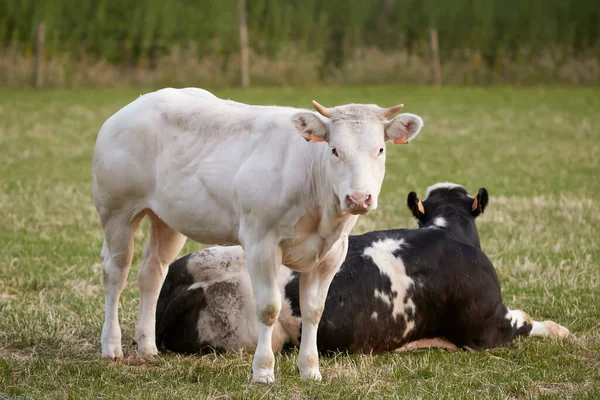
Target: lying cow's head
[448, 205]
[356, 134]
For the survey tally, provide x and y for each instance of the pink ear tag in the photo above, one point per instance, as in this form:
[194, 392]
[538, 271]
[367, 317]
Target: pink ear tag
[402, 140]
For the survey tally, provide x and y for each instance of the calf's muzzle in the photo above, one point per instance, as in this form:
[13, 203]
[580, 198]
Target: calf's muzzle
[359, 203]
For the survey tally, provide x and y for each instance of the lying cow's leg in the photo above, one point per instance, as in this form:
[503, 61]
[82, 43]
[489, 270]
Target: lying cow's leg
[439, 342]
[549, 328]
[263, 262]
[519, 320]
[314, 285]
[162, 247]
[117, 252]
[507, 324]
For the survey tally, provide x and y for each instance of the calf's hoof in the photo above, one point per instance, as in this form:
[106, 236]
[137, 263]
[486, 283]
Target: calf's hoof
[146, 345]
[147, 349]
[112, 352]
[311, 374]
[264, 377]
[111, 342]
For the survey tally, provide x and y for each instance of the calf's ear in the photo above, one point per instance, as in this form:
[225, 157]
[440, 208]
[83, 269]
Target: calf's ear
[311, 127]
[403, 128]
[416, 206]
[479, 202]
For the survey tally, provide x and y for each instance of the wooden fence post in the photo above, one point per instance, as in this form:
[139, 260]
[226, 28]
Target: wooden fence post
[244, 63]
[39, 56]
[435, 58]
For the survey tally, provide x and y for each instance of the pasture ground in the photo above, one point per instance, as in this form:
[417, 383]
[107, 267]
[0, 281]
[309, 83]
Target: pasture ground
[536, 150]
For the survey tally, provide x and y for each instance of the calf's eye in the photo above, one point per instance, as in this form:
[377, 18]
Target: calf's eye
[334, 152]
[381, 150]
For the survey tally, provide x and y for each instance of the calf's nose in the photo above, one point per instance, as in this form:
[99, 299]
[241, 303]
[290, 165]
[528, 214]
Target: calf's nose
[358, 201]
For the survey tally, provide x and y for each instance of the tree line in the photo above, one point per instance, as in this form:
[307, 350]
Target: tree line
[128, 31]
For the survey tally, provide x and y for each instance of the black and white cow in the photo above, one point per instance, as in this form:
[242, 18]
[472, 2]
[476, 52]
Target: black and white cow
[397, 289]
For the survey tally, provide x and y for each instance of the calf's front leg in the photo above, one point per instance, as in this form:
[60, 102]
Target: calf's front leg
[314, 285]
[264, 260]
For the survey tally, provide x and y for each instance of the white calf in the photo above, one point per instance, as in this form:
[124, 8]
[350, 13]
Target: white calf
[218, 171]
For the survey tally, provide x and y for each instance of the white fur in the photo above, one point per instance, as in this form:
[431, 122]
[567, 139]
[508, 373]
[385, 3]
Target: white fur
[382, 255]
[549, 328]
[539, 329]
[517, 318]
[440, 222]
[378, 294]
[441, 185]
[218, 171]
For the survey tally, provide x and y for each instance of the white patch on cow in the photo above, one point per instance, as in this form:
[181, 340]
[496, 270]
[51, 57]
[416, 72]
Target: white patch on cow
[517, 318]
[441, 185]
[409, 306]
[382, 296]
[215, 264]
[539, 329]
[410, 325]
[195, 286]
[440, 222]
[382, 254]
[374, 315]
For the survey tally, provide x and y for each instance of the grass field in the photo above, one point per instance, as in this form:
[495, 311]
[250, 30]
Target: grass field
[537, 152]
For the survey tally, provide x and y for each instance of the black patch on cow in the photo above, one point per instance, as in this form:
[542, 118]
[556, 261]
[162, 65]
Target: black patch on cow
[292, 293]
[178, 310]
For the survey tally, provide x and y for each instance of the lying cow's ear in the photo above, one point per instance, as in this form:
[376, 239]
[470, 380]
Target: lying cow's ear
[479, 202]
[416, 206]
[403, 128]
[310, 126]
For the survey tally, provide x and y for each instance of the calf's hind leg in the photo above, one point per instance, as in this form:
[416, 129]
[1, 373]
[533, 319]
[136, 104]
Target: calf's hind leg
[117, 252]
[162, 247]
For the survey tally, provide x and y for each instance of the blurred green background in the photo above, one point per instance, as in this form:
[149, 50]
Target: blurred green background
[298, 42]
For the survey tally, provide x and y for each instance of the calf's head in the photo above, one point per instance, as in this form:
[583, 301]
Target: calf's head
[356, 135]
[448, 205]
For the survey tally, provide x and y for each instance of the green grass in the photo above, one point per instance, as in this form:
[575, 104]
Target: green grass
[535, 150]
